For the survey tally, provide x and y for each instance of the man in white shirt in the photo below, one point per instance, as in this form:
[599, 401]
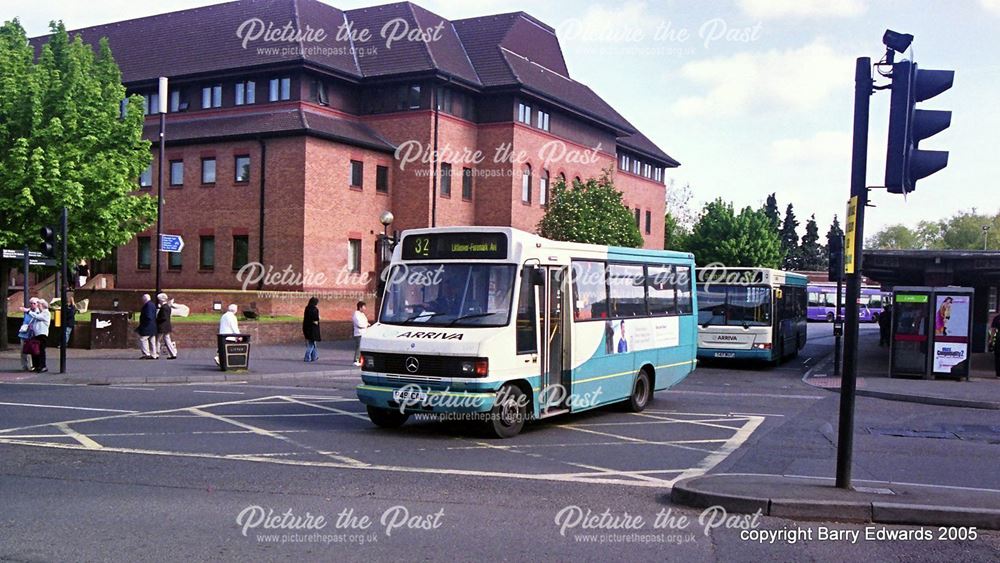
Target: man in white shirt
[360, 325]
[228, 324]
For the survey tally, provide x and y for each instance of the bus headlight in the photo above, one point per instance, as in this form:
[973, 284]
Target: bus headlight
[479, 367]
[763, 346]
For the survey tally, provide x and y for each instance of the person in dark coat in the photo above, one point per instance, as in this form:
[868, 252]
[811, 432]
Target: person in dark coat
[885, 326]
[147, 329]
[310, 329]
[995, 328]
[164, 326]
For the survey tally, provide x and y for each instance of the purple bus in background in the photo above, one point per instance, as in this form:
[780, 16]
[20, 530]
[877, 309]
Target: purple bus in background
[823, 303]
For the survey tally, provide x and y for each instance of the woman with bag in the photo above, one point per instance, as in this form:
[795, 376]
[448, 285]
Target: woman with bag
[40, 319]
[24, 334]
[164, 326]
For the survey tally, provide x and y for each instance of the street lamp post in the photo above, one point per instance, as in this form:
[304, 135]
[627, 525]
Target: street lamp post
[986, 237]
[162, 110]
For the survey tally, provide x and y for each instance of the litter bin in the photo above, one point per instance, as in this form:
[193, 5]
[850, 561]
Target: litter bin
[234, 351]
[108, 329]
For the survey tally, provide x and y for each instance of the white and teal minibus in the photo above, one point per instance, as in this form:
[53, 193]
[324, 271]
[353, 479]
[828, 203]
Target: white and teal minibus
[751, 313]
[501, 326]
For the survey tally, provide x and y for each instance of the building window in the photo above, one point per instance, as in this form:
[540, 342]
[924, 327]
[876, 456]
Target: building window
[174, 261]
[146, 178]
[635, 166]
[524, 113]
[242, 168]
[319, 92]
[354, 255]
[246, 93]
[206, 257]
[382, 179]
[623, 162]
[357, 173]
[526, 184]
[144, 252]
[649, 222]
[543, 188]
[414, 96]
[279, 89]
[208, 170]
[151, 104]
[241, 251]
[176, 172]
[637, 213]
[444, 100]
[467, 184]
[543, 120]
[211, 96]
[175, 101]
[445, 179]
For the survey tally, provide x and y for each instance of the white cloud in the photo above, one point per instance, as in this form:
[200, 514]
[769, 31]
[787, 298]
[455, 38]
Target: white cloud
[991, 6]
[822, 148]
[628, 22]
[796, 79]
[775, 9]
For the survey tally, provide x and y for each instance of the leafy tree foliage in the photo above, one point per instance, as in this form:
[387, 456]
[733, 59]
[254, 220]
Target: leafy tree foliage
[813, 254]
[772, 212]
[723, 236]
[962, 231]
[790, 241]
[590, 212]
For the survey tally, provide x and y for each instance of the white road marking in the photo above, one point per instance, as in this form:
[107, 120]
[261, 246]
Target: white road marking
[331, 409]
[85, 441]
[768, 395]
[37, 406]
[722, 453]
[220, 392]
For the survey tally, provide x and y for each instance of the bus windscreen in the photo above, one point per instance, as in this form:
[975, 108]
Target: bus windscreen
[734, 305]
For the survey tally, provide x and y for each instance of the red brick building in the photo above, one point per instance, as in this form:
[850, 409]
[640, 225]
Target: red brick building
[293, 125]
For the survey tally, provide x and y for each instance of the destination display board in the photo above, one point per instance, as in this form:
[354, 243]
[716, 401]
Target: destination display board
[455, 246]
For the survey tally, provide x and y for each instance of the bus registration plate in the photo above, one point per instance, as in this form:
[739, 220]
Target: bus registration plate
[725, 355]
[409, 395]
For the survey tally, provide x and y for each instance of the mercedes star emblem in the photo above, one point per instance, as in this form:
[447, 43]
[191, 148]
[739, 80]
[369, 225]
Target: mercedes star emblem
[412, 364]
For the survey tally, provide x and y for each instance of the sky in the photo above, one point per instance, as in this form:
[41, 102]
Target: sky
[751, 96]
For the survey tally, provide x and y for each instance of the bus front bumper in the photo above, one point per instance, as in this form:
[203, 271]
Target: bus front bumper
[423, 397]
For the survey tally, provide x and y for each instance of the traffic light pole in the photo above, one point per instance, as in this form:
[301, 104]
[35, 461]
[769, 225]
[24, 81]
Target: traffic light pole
[838, 325]
[63, 234]
[863, 88]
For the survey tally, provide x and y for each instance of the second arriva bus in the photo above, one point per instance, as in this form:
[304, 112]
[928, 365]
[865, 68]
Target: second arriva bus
[501, 326]
[751, 313]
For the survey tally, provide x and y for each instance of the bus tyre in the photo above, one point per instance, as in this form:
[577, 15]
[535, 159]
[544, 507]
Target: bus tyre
[829, 317]
[642, 391]
[508, 414]
[386, 418]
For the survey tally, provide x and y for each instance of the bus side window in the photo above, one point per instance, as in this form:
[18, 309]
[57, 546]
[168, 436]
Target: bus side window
[527, 342]
[682, 281]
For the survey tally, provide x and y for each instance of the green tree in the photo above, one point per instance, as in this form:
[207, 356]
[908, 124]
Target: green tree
[679, 218]
[744, 239]
[895, 237]
[812, 252]
[790, 241]
[63, 143]
[772, 212]
[590, 212]
[964, 230]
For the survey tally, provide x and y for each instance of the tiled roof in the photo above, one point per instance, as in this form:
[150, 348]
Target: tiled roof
[288, 121]
[641, 143]
[500, 52]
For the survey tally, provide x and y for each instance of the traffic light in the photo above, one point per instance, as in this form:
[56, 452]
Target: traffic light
[48, 241]
[836, 268]
[905, 163]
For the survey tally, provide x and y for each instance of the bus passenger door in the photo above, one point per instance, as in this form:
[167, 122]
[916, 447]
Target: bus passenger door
[555, 340]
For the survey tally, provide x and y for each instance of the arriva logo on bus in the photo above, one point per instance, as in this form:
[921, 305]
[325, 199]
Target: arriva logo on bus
[431, 335]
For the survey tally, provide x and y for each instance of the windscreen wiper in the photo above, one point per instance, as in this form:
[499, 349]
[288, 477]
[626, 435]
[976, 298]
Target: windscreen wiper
[427, 314]
[472, 316]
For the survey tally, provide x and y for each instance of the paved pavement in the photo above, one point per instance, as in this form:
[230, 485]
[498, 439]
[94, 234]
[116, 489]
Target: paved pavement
[982, 390]
[284, 362]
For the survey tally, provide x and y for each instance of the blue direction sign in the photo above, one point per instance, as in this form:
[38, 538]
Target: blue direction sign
[171, 243]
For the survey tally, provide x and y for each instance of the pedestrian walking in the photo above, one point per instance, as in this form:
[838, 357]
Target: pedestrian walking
[885, 326]
[147, 329]
[40, 320]
[228, 324]
[82, 273]
[360, 321]
[24, 335]
[164, 326]
[70, 322]
[310, 329]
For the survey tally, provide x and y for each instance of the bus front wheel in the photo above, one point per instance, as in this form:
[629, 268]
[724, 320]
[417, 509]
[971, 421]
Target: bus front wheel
[508, 414]
[386, 418]
[642, 390]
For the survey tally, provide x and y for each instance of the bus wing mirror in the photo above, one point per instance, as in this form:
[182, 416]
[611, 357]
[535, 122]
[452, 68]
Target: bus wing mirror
[537, 276]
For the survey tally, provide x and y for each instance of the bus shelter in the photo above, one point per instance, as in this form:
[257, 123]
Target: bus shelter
[931, 332]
